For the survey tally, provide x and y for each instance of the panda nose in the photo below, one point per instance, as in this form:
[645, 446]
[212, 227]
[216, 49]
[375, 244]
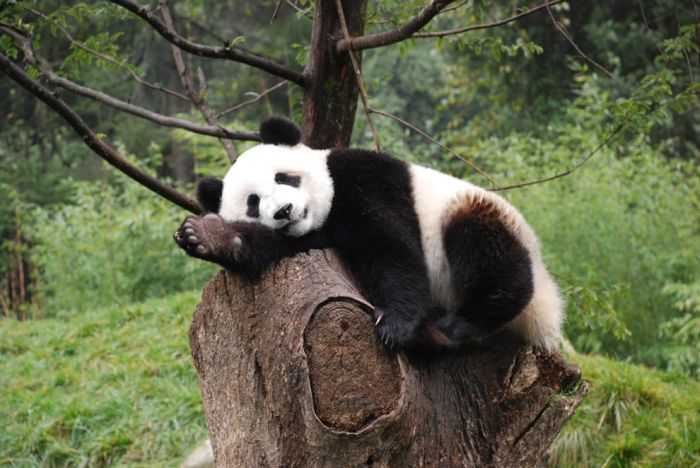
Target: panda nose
[283, 213]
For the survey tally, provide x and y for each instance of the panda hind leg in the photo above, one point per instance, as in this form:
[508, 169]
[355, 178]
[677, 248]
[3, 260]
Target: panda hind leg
[490, 269]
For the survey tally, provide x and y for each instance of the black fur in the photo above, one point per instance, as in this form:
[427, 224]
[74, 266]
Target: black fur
[279, 131]
[253, 203]
[491, 272]
[287, 179]
[374, 229]
[209, 194]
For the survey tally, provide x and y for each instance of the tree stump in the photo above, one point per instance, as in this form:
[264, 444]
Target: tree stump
[292, 374]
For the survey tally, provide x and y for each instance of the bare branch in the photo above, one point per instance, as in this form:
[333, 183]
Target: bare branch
[197, 99]
[496, 187]
[454, 7]
[38, 63]
[258, 96]
[574, 168]
[559, 26]
[298, 9]
[405, 31]
[646, 24]
[96, 144]
[276, 12]
[476, 27]
[434, 141]
[106, 58]
[358, 74]
[229, 52]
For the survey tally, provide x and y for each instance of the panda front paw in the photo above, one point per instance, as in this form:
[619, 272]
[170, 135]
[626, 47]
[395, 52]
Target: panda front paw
[209, 238]
[394, 330]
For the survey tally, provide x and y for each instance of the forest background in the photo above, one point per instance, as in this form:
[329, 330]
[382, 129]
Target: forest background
[96, 298]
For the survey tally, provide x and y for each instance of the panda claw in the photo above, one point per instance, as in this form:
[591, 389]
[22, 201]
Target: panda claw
[189, 231]
[192, 239]
[237, 241]
[187, 225]
[201, 249]
[379, 319]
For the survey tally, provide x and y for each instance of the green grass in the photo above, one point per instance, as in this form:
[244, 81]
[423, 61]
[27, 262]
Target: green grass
[117, 387]
[114, 386]
[633, 416]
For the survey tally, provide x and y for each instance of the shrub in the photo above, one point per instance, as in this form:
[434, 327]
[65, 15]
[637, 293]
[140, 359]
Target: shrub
[111, 245]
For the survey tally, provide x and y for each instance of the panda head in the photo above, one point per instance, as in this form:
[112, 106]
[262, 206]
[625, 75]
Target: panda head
[281, 183]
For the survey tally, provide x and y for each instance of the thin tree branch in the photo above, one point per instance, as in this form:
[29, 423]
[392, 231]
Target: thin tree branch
[358, 74]
[198, 99]
[559, 26]
[96, 144]
[434, 141]
[229, 52]
[454, 7]
[646, 24]
[574, 168]
[258, 96]
[298, 9]
[106, 58]
[276, 12]
[476, 27]
[401, 33]
[38, 63]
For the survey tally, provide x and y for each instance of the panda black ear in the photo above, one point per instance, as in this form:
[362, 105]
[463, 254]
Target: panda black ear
[209, 192]
[279, 131]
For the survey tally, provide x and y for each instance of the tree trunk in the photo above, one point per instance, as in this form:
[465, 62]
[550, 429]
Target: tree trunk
[292, 374]
[330, 101]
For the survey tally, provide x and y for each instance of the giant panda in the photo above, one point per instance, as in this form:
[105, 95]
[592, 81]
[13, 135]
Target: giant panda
[441, 260]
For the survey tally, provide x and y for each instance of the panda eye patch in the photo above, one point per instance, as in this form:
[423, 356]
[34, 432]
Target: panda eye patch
[287, 179]
[253, 206]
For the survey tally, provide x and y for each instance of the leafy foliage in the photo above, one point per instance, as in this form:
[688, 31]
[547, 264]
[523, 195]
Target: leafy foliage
[683, 332]
[111, 245]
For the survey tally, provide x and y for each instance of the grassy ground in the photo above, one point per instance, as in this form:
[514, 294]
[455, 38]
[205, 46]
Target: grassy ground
[117, 386]
[106, 387]
[633, 416]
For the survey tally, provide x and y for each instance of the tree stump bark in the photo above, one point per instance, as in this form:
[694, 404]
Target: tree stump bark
[292, 374]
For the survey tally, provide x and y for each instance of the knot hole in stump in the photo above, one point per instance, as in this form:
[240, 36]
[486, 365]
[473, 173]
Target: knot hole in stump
[354, 380]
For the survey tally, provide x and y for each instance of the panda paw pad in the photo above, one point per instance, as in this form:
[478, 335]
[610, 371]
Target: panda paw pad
[198, 236]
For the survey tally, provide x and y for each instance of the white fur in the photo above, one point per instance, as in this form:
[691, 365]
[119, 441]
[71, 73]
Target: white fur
[254, 173]
[434, 195]
[433, 192]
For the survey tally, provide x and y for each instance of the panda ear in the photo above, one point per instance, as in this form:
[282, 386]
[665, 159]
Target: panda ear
[279, 131]
[209, 192]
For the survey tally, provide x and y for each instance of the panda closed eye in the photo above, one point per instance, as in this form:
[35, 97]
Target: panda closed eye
[288, 179]
[253, 206]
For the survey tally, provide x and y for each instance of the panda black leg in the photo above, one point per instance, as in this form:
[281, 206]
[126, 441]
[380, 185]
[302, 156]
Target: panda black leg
[396, 329]
[491, 271]
[399, 291]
